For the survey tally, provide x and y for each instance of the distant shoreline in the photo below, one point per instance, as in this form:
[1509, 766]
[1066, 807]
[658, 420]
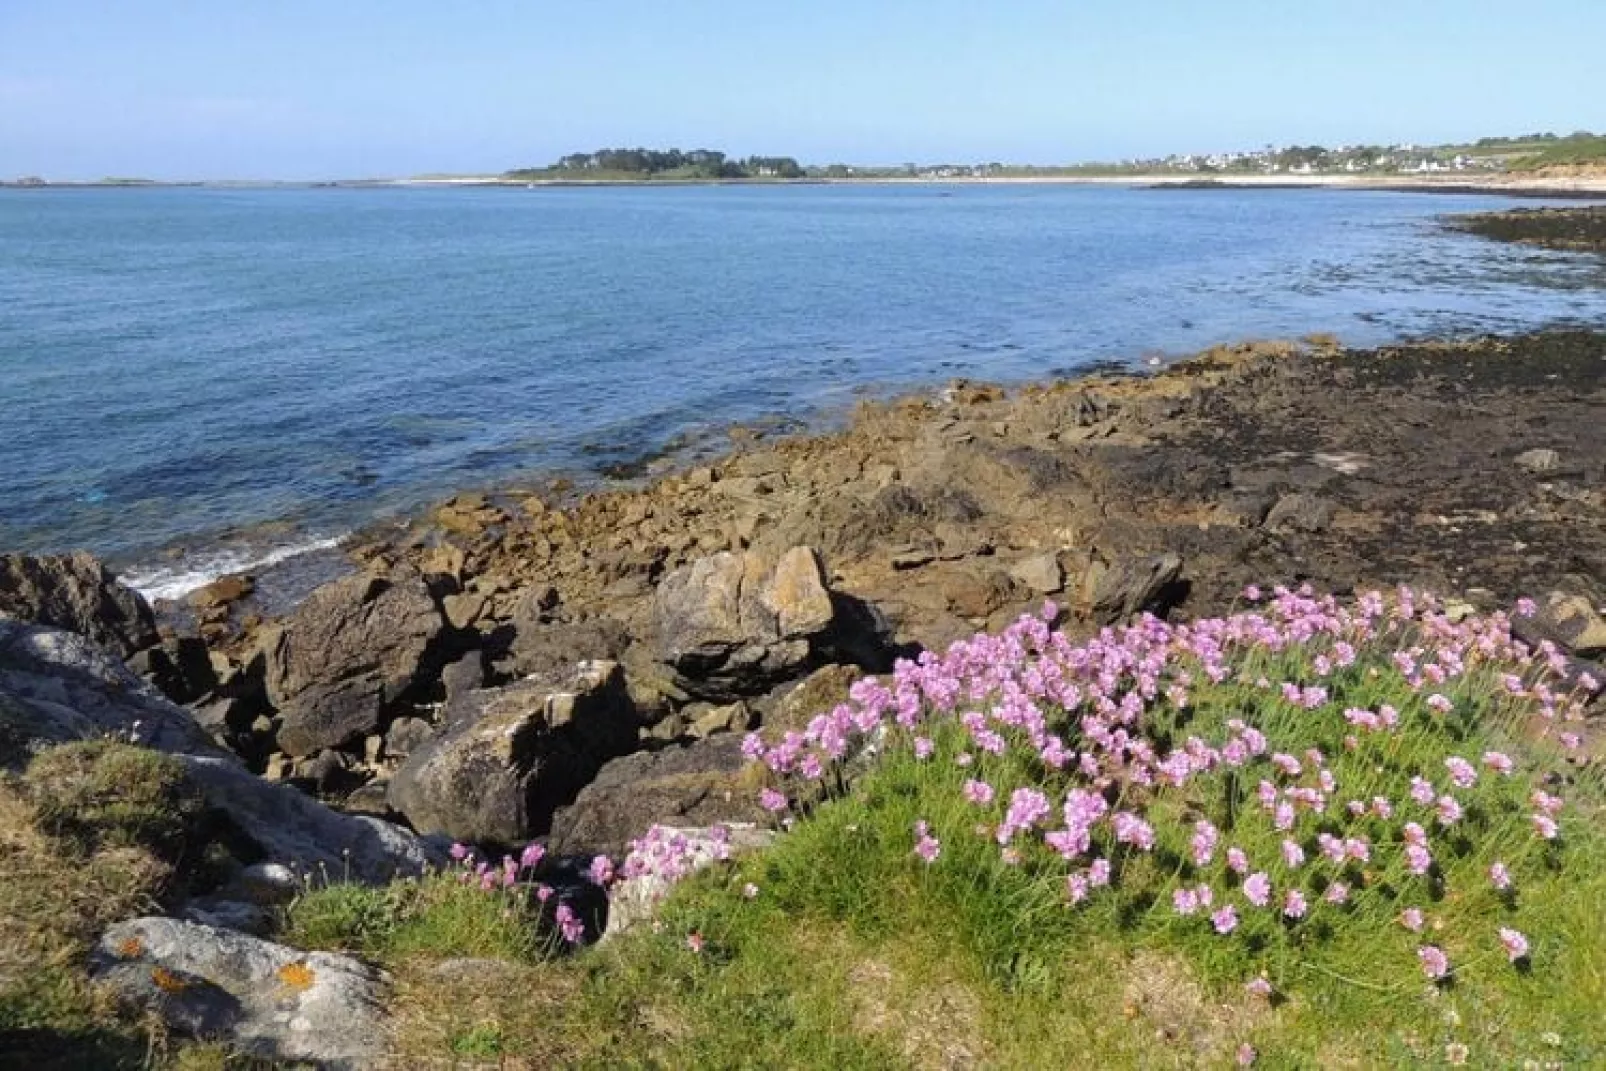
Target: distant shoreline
[1587, 187]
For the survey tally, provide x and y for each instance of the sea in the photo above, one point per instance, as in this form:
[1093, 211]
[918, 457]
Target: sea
[195, 381]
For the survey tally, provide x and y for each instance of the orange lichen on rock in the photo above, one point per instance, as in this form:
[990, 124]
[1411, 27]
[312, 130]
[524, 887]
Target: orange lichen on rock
[167, 981]
[297, 975]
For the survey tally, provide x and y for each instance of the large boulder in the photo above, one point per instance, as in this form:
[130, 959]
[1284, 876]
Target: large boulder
[76, 593]
[57, 687]
[697, 784]
[255, 996]
[346, 655]
[735, 624]
[507, 758]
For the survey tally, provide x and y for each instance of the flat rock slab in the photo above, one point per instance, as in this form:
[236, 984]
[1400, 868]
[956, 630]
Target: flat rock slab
[258, 997]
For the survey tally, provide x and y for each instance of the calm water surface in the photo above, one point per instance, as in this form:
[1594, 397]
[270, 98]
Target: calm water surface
[177, 366]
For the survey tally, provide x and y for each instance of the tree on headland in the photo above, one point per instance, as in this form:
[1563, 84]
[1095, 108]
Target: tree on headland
[665, 163]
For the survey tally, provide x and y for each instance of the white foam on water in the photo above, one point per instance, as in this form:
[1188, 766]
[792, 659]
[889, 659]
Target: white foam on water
[179, 579]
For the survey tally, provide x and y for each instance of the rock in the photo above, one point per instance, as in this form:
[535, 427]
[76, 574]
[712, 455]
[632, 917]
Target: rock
[407, 735]
[221, 592]
[58, 686]
[258, 997]
[797, 596]
[734, 624]
[536, 647]
[1567, 620]
[1542, 460]
[700, 783]
[1301, 512]
[75, 592]
[818, 693]
[346, 655]
[1130, 587]
[634, 900]
[508, 757]
[463, 676]
[463, 610]
[286, 826]
[732, 718]
[1041, 573]
[181, 668]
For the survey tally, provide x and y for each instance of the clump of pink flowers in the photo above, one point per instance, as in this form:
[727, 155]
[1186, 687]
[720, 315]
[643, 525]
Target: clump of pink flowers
[1248, 768]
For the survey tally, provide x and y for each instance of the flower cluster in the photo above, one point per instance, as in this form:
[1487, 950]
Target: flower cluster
[1350, 750]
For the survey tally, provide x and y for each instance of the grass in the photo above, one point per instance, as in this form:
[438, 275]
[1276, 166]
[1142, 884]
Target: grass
[90, 834]
[842, 947]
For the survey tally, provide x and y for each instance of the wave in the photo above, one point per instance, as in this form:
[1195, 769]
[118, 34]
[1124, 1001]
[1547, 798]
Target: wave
[176, 580]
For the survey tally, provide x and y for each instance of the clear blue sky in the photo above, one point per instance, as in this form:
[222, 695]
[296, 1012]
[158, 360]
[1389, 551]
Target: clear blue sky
[326, 88]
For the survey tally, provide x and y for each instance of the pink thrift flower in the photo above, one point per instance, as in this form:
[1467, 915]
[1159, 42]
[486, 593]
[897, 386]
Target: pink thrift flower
[694, 941]
[1499, 762]
[1225, 920]
[1293, 854]
[927, 847]
[772, 800]
[1545, 802]
[601, 871]
[569, 924]
[1294, 904]
[1283, 817]
[1435, 964]
[543, 893]
[1252, 593]
[1516, 945]
[1411, 918]
[1258, 987]
[749, 891]
[1526, 607]
[1205, 837]
[1381, 807]
[1098, 874]
[978, 791]
[1246, 1055]
[1462, 773]
[1257, 889]
[1449, 811]
[1337, 893]
[532, 855]
[1418, 860]
[1237, 860]
[923, 747]
[1440, 703]
[1076, 888]
[1422, 791]
[1545, 826]
[1499, 876]
[1184, 901]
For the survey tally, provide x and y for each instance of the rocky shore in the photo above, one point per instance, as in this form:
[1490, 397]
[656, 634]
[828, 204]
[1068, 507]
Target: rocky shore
[581, 665]
[578, 667]
[1575, 229]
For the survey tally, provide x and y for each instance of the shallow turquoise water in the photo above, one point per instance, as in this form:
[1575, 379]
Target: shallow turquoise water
[176, 364]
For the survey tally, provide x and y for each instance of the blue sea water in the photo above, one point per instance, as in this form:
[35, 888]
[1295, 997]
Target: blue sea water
[181, 366]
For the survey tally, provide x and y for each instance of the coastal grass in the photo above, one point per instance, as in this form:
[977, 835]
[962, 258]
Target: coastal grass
[843, 946]
[89, 835]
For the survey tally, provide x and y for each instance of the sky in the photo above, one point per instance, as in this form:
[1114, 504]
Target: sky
[299, 89]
